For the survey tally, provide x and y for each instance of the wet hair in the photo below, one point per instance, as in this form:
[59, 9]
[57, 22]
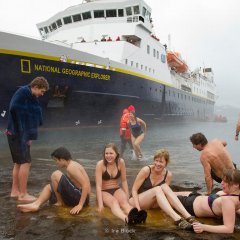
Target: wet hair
[134, 114]
[162, 153]
[40, 82]
[61, 153]
[198, 138]
[115, 149]
[231, 176]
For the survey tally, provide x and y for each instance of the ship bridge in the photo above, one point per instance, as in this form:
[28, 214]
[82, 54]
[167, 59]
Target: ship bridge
[118, 30]
[87, 21]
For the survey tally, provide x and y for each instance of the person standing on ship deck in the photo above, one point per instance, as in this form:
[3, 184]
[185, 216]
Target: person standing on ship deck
[25, 116]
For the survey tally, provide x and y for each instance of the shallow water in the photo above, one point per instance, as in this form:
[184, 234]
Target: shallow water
[86, 145]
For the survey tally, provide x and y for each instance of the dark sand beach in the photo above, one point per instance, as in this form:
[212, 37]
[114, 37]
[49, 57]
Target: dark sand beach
[86, 145]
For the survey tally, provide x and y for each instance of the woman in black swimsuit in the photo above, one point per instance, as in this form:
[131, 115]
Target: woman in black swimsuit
[138, 131]
[224, 204]
[109, 172]
[151, 190]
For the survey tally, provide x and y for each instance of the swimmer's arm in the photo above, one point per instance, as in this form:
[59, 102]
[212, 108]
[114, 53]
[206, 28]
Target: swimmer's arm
[207, 173]
[80, 175]
[124, 177]
[143, 124]
[228, 211]
[98, 178]
[169, 178]
[137, 184]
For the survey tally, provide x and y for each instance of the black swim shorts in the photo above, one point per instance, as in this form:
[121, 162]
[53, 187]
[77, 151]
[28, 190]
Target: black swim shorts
[69, 192]
[18, 155]
[187, 201]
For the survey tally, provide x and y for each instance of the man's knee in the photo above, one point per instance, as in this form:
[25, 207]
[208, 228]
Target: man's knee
[56, 175]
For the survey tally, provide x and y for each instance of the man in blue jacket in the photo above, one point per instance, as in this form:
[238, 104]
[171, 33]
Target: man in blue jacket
[25, 116]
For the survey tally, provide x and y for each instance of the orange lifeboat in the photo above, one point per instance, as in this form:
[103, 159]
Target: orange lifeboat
[176, 62]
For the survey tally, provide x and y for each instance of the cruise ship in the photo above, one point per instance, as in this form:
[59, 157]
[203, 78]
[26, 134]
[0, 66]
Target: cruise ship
[99, 57]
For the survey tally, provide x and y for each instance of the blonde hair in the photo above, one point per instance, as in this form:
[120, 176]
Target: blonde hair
[162, 153]
[231, 176]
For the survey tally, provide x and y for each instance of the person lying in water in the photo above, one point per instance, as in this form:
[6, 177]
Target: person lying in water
[151, 190]
[224, 204]
[72, 189]
[109, 171]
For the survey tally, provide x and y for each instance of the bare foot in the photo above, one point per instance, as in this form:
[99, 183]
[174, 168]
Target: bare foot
[26, 198]
[14, 195]
[58, 204]
[30, 207]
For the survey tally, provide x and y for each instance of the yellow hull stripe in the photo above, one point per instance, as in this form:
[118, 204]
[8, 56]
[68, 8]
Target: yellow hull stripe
[52, 58]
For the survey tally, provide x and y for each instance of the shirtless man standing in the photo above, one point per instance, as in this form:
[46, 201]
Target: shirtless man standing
[214, 158]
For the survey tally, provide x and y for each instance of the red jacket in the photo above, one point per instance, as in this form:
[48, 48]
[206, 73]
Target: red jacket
[124, 124]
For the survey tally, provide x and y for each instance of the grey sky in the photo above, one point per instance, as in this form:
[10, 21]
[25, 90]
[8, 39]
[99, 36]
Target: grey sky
[205, 32]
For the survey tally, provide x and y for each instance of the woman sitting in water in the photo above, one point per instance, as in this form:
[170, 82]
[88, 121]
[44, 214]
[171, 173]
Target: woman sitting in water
[223, 205]
[151, 190]
[108, 172]
[137, 133]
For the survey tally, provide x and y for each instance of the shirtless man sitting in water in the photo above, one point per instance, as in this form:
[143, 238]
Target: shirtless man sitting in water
[214, 158]
[72, 189]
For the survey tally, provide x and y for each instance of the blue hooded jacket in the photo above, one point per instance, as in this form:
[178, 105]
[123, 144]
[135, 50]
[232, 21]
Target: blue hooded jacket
[25, 116]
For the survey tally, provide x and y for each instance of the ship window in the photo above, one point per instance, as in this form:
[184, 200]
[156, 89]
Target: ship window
[128, 11]
[50, 28]
[135, 19]
[59, 22]
[67, 20]
[54, 26]
[120, 13]
[154, 52]
[111, 13]
[148, 49]
[77, 17]
[126, 61]
[46, 29]
[136, 65]
[145, 68]
[144, 11]
[131, 63]
[141, 19]
[98, 14]
[163, 58]
[86, 15]
[136, 10]
[157, 54]
[41, 31]
[148, 15]
[141, 66]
